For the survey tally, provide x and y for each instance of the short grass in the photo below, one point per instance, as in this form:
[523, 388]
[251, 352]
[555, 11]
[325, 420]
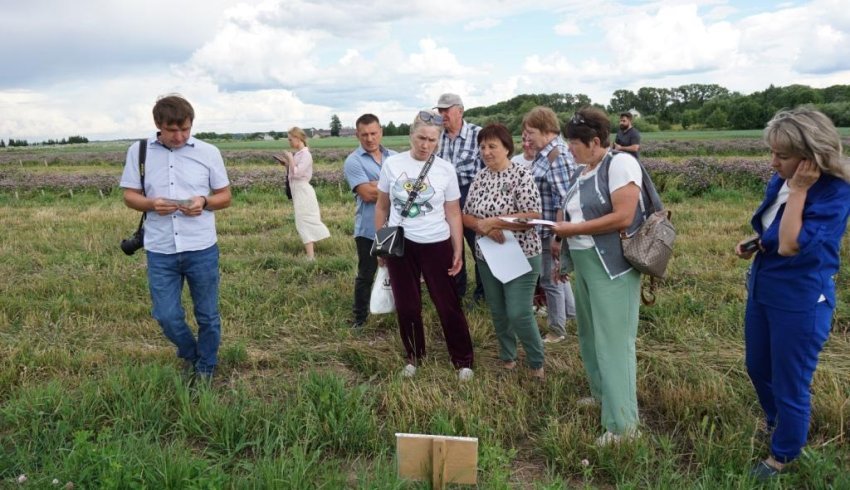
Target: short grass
[90, 391]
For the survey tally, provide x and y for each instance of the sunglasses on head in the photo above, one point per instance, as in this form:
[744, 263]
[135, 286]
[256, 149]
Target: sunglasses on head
[578, 120]
[430, 117]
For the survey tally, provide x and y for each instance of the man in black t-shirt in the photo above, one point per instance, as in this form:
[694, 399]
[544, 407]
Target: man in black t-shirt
[628, 137]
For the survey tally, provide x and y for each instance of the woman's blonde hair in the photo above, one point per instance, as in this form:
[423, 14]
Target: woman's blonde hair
[299, 133]
[809, 133]
[418, 122]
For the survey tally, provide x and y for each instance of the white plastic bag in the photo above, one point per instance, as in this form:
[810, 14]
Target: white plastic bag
[382, 294]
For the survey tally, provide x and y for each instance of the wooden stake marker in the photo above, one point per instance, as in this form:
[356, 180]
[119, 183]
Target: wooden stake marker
[442, 459]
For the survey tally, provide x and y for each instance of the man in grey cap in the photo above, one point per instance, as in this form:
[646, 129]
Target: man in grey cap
[459, 145]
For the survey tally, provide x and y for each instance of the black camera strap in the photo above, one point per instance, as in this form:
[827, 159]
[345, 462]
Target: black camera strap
[143, 152]
[417, 186]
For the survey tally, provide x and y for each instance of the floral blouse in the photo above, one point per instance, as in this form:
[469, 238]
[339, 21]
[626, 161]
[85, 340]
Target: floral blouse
[502, 193]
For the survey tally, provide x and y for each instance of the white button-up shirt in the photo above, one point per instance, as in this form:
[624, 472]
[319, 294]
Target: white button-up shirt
[194, 169]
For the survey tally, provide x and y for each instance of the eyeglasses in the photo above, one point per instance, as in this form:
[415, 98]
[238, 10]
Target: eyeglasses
[578, 120]
[430, 117]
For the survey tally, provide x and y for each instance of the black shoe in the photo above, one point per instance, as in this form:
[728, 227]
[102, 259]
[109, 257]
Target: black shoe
[764, 471]
[358, 324]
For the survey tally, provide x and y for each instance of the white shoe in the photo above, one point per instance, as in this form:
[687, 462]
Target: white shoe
[552, 338]
[409, 371]
[609, 438]
[587, 401]
[464, 374]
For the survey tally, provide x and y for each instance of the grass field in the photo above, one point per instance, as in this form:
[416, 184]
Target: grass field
[90, 391]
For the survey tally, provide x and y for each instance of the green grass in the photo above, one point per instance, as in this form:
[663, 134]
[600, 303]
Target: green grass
[90, 391]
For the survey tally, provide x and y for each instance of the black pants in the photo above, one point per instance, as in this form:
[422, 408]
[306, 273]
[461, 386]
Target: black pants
[461, 278]
[366, 268]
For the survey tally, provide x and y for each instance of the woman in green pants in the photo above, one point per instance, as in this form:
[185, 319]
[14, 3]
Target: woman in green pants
[603, 200]
[507, 189]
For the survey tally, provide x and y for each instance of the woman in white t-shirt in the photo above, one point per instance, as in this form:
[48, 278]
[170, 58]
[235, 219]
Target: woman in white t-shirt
[433, 234]
[603, 200]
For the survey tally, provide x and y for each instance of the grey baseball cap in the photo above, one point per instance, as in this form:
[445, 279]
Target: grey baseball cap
[448, 100]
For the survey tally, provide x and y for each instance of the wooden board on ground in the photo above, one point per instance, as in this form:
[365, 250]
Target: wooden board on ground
[442, 459]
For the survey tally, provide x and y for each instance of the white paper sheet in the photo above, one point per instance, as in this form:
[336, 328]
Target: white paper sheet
[506, 260]
[512, 219]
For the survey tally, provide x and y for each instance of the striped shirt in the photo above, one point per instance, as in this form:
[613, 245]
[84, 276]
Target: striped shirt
[462, 152]
[553, 179]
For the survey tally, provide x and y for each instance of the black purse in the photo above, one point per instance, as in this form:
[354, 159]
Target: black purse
[389, 240]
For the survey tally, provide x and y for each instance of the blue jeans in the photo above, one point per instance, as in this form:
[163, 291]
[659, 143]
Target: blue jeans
[166, 273]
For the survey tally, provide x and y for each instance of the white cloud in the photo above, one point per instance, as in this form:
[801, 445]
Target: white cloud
[567, 28]
[485, 23]
[674, 40]
[258, 65]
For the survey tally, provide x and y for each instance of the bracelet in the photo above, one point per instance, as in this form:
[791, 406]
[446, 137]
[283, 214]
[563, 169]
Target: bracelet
[205, 202]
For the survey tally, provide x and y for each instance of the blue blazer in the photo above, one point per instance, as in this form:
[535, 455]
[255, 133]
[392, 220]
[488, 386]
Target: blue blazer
[796, 283]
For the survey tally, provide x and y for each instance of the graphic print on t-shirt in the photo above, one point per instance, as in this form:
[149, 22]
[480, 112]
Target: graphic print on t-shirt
[401, 191]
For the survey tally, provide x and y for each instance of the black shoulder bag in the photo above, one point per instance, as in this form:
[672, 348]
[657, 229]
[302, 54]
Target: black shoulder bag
[389, 240]
[137, 240]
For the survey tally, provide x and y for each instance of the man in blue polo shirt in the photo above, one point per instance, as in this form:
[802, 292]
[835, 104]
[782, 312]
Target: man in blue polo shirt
[184, 182]
[362, 169]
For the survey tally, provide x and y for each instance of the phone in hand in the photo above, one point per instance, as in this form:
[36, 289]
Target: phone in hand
[750, 245]
[279, 160]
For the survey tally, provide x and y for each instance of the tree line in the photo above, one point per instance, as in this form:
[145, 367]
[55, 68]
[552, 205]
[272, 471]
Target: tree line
[64, 141]
[692, 106]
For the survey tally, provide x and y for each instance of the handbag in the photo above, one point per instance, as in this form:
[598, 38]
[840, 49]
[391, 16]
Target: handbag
[381, 301]
[649, 248]
[287, 187]
[389, 240]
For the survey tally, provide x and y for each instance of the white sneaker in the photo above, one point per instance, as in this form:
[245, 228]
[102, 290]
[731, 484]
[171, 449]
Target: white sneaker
[409, 371]
[552, 338]
[609, 438]
[587, 401]
[464, 374]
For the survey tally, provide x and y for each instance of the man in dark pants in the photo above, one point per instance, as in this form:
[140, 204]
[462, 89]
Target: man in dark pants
[628, 137]
[459, 145]
[362, 169]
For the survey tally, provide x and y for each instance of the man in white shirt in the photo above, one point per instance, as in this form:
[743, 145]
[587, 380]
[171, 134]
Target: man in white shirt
[181, 183]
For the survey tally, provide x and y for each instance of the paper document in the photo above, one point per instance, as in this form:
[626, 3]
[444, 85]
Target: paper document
[506, 260]
[527, 221]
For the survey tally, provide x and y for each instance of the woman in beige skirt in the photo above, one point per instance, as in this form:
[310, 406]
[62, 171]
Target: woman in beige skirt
[308, 219]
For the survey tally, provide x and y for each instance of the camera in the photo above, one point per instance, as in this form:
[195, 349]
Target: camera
[135, 242]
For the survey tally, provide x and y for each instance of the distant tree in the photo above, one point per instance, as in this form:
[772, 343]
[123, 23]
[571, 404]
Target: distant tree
[717, 119]
[623, 100]
[77, 139]
[746, 114]
[336, 125]
[2, 145]
[390, 129]
[403, 129]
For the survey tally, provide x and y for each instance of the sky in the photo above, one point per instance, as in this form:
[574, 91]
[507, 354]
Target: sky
[95, 68]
